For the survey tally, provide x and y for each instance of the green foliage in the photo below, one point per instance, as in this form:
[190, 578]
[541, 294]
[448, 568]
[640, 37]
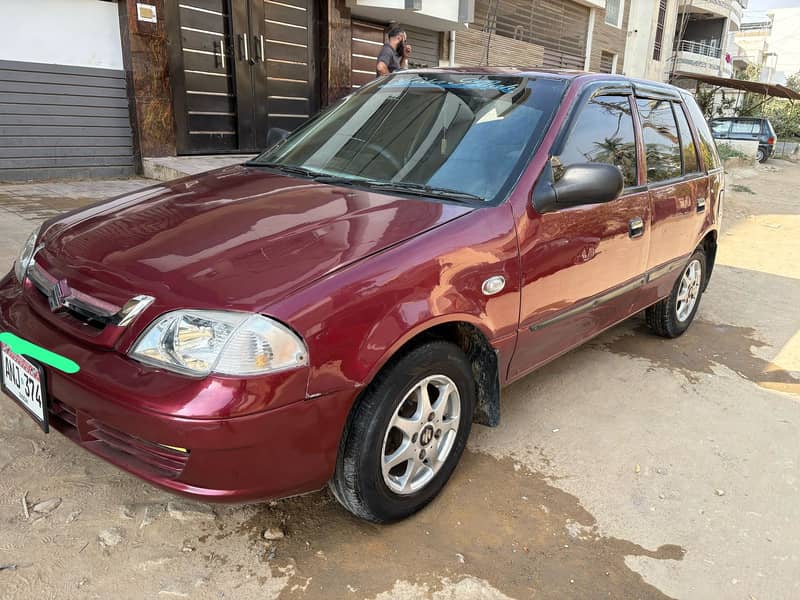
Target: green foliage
[705, 100]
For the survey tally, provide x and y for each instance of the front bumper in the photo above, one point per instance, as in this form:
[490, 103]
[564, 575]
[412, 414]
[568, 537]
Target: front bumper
[110, 408]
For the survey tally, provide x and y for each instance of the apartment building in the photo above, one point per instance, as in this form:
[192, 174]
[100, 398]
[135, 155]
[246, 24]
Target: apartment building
[770, 40]
[580, 34]
[651, 31]
[701, 37]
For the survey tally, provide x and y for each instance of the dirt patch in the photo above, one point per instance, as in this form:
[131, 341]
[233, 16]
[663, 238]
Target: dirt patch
[495, 521]
[703, 347]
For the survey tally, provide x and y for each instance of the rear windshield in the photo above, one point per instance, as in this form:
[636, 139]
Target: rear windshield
[708, 147]
[471, 133]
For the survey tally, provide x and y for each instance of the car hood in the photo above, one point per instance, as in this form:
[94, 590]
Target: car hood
[237, 238]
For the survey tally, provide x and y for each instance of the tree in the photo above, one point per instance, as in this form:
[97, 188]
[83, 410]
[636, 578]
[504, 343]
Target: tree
[785, 114]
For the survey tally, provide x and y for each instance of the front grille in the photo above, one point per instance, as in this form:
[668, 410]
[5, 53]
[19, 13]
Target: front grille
[63, 413]
[161, 460]
[79, 306]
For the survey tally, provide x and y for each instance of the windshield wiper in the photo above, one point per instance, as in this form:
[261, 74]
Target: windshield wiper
[317, 176]
[420, 189]
[289, 169]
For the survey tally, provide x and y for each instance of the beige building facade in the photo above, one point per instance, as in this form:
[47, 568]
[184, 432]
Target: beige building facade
[651, 31]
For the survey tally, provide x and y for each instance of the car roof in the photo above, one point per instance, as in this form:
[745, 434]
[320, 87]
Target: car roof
[740, 119]
[640, 86]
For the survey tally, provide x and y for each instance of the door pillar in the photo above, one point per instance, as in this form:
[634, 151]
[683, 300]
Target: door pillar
[145, 59]
[335, 48]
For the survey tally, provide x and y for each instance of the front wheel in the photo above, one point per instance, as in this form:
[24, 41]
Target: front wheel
[672, 316]
[407, 434]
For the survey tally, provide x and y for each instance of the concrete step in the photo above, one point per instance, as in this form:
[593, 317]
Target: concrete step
[167, 168]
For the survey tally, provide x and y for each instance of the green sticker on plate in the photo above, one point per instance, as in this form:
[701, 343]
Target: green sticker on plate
[26, 348]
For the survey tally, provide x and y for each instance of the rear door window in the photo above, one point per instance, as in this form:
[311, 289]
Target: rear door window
[603, 133]
[688, 150]
[661, 141]
[708, 148]
[745, 127]
[720, 128]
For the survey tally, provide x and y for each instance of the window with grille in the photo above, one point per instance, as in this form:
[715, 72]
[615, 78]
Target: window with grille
[614, 13]
[607, 62]
[662, 16]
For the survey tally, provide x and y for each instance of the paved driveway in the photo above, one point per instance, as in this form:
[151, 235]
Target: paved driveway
[634, 467]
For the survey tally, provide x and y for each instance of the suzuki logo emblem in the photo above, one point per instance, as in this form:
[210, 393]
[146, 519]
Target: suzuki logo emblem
[58, 294]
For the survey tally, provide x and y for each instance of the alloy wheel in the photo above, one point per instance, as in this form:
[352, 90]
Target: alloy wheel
[689, 290]
[421, 434]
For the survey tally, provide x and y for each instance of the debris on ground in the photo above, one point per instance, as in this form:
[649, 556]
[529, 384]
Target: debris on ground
[183, 511]
[110, 537]
[273, 533]
[46, 506]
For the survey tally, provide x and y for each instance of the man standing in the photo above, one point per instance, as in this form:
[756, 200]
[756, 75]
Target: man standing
[394, 54]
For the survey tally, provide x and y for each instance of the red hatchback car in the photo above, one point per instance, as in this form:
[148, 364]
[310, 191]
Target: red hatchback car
[341, 309]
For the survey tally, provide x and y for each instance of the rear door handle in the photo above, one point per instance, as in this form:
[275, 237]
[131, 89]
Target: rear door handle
[701, 204]
[635, 227]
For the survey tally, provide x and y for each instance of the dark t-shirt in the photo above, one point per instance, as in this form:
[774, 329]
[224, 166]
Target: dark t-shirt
[389, 57]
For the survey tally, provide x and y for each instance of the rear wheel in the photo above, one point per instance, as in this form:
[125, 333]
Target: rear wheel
[761, 155]
[672, 316]
[406, 435]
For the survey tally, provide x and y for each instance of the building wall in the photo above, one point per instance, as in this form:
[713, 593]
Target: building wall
[642, 24]
[64, 108]
[785, 41]
[609, 39]
[82, 33]
[553, 31]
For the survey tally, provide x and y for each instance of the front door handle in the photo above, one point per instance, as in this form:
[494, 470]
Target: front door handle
[244, 47]
[258, 45]
[219, 57]
[635, 227]
[701, 204]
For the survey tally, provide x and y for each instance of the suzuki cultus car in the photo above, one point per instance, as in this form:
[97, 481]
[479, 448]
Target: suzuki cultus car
[340, 310]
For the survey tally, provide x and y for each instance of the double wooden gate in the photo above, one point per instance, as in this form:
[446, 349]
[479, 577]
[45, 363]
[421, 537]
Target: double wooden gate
[239, 68]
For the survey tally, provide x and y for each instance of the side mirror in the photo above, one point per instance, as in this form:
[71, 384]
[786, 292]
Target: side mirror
[584, 183]
[275, 135]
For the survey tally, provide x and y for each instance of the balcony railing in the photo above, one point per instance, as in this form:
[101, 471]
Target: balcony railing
[699, 48]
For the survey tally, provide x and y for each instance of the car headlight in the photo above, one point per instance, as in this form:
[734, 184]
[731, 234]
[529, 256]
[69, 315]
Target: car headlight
[200, 342]
[26, 255]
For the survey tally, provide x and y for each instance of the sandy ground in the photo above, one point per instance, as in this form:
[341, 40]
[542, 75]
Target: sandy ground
[634, 467]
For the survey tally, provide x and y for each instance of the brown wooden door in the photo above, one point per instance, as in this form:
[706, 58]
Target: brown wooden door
[287, 91]
[238, 68]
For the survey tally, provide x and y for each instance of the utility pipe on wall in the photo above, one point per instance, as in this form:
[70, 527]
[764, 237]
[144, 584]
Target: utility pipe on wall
[452, 49]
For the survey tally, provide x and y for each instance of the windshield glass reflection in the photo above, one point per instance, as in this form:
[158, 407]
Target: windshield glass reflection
[453, 131]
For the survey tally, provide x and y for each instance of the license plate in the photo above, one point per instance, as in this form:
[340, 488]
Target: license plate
[24, 382]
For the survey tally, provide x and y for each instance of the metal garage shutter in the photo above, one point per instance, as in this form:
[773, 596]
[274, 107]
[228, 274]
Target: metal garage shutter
[424, 47]
[366, 43]
[63, 121]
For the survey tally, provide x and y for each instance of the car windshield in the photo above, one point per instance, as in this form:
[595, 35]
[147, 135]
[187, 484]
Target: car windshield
[466, 135]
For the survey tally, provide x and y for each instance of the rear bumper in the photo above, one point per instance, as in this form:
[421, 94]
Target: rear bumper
[107, 408]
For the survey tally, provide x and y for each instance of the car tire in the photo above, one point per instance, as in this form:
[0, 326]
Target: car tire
[388, 424]
[672, 316]
[761, 155]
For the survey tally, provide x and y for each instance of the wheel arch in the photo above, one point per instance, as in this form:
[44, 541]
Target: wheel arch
[483, 358]
[709, 246]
